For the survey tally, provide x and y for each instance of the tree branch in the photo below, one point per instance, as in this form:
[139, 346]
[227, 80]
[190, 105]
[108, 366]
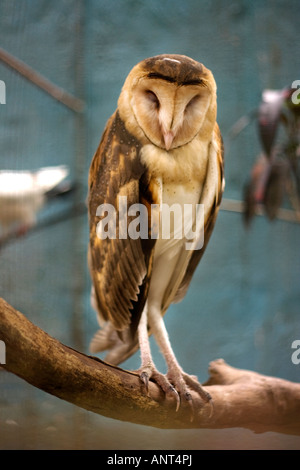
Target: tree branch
[240, 398]
[39, 80]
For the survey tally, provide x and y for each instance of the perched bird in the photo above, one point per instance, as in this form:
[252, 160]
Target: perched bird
[161, 147]
[24, 193]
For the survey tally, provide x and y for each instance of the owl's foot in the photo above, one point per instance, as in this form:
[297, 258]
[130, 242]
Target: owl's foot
[150, 372]
[192, 382]
[175, 383]
[184, 383]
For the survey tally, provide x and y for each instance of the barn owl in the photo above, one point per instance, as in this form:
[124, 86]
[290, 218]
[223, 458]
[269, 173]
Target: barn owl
[161, 147]
[24, 193]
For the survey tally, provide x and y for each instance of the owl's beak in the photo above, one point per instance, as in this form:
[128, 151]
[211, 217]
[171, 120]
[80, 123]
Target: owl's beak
[168, 139]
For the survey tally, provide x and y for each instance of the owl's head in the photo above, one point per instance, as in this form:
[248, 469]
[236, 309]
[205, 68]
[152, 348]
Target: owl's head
[167, 100]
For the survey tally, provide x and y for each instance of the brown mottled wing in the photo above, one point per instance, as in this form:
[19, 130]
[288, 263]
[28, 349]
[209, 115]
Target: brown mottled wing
[120, 267]
[211, 209]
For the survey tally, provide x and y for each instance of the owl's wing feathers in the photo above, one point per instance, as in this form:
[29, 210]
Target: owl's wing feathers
[120, 267]
[211, 198]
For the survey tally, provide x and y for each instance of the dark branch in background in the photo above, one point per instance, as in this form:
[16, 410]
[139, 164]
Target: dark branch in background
[39, 80]
[240, 125]
[240, 398]
[276, 173]
[234, 205]
[75, 210]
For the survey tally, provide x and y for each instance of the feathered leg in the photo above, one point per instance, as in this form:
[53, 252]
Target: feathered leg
[148, 369]
[175, 374]
[175, 381]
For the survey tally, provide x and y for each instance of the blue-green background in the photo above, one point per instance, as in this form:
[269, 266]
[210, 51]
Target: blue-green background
[243, 303]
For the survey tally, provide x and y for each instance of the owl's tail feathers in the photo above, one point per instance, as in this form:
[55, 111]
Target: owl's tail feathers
[105, 338]
[119, 348]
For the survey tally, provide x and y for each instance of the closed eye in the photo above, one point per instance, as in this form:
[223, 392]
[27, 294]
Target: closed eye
[153, 98]
[192, 102]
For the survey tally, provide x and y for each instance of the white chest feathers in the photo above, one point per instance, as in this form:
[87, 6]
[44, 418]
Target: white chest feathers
[177, 231]
[179, 176]
[178, 212]
[180, 165]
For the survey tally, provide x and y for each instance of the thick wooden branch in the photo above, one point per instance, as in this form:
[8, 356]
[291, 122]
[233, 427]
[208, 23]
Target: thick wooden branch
[240, 398]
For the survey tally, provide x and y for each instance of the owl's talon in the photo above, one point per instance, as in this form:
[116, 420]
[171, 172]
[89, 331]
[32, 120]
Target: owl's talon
[192, 382]
[177, 385]
[177, 397]
[144, 376]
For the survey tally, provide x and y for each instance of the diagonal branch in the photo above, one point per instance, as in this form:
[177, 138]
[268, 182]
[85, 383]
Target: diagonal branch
[240, 398]
[75, 104]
